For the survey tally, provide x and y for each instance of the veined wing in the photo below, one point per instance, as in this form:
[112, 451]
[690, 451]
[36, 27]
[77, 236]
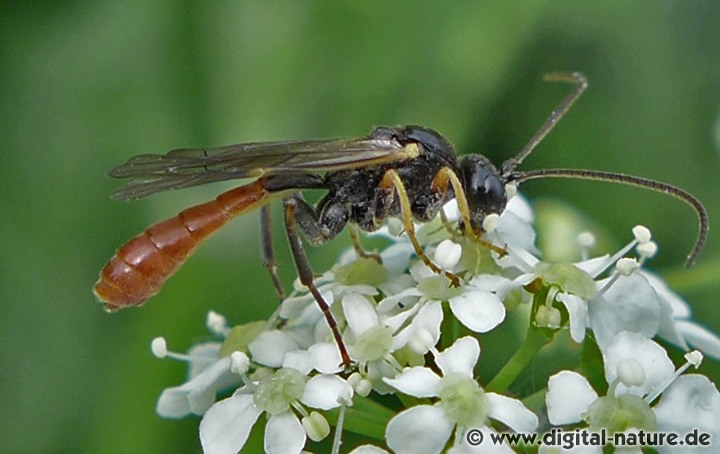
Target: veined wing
[186, 167]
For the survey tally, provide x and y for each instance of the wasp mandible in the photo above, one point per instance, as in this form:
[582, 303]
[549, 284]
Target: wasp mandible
[406, 171]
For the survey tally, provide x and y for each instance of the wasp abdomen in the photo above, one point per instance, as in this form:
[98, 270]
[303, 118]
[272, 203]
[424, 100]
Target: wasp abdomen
[140, 267]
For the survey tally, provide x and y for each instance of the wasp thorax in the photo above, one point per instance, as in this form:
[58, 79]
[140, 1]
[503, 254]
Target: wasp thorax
[484, 188]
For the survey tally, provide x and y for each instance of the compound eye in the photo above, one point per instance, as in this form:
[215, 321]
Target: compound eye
[484, 188]
[495, 195]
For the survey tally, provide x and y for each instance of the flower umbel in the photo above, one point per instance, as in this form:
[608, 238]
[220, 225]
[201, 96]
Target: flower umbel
[416, 383]
[461, 403]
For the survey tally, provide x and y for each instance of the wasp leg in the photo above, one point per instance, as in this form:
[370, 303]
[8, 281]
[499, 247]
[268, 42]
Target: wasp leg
[447, 224]
[305, 272]
[319, 228]
[447, 176]
[266, 250]
[391, 180]
[359, 250]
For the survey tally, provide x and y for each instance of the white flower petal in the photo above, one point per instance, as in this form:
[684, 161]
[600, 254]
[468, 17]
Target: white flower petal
[359, 313]
[415, 381]
[499, 285]
[460, 357]
[569, 395]
[577, 310]
[226, 425]
[595, 265]
[202, 356]
[452, 212]
[525, 278]
[377, 372]
[680, 309]
[630, 304]
[302, 329]
[420, 271]
[651, 356]
[479, 311]
[396, 284]
[304, 306]
[194, 396]
[368, 449]
[300, 360]
[518, 258]
[270, 347]
[326, 357]
[392, 302]
[516, 233]
[690, 402]
[423, 429]
[700, 337]
[397, 321]
[396, 257]
[292, 306]
[668, 329]
[326, 392]
[425, 326]
[512, 413]
[447, 254]
[284, 434]
[339, 291]
[520, 206]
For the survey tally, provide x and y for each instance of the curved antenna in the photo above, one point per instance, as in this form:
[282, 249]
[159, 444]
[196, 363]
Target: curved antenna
[630, 180]
[581, 84]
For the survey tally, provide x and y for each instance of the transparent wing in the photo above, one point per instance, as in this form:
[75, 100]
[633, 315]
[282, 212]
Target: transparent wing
[186, 167]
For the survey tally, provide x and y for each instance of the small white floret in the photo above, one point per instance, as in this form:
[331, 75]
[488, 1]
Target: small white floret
[159, 347]
[630, 372]
[491, 222]
[694, 357]
[642, 233]
[240, 363]
[216, 323]
[647, 249]
[586, 239]
[626, 266]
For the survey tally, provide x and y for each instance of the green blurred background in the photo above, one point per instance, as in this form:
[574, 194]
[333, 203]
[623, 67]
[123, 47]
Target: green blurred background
[85, 85]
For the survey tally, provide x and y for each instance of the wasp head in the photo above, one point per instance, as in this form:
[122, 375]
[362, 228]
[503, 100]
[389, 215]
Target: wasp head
[484, 188]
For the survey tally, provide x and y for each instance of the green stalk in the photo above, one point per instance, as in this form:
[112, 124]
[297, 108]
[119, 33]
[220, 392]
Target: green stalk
[366, 417]
[536, 339]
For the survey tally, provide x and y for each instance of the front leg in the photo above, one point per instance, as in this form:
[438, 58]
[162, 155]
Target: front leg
[391, 183]
[319, 228]
[445, 178]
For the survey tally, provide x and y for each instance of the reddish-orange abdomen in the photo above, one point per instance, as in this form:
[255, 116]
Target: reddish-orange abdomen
[138, 269]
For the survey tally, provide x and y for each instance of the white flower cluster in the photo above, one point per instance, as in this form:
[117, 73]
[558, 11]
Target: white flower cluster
[395, 316]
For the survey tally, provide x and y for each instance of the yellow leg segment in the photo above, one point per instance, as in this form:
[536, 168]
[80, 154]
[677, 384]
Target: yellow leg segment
[391, 180]
[359, 250]
[440, 183]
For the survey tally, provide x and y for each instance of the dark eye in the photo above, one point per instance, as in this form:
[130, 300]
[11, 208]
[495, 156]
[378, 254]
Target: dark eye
[484, 188]
[495, 194]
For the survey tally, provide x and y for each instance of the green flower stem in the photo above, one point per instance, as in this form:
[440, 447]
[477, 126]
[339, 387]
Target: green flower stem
[450, 329]
[536, 339]
[366, 417]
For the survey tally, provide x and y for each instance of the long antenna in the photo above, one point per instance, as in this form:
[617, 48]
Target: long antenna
[630, 180]
[581, 84]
